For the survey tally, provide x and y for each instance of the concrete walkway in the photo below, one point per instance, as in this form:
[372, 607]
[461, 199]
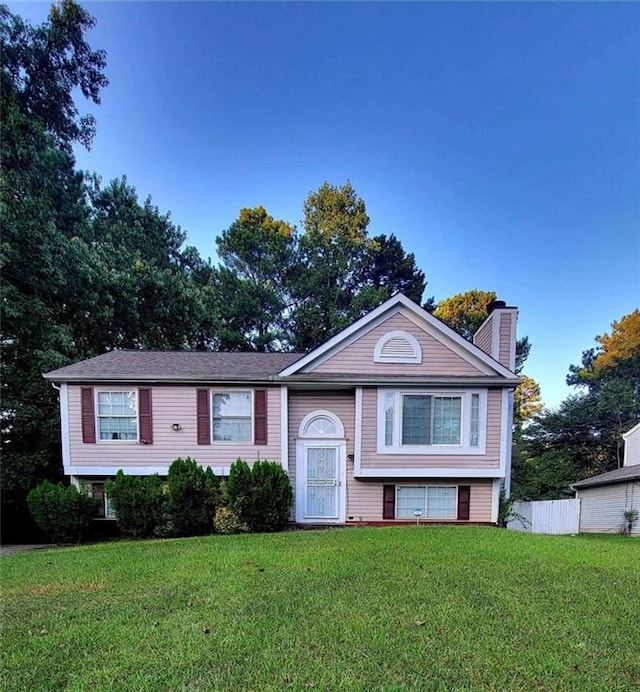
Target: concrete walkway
[11, 549]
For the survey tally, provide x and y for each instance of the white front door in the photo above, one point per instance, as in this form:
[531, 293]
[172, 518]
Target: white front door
[321, 468]
[322, 482]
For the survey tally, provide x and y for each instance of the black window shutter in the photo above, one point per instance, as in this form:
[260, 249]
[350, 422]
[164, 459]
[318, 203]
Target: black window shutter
[464, 502]
[389, 502]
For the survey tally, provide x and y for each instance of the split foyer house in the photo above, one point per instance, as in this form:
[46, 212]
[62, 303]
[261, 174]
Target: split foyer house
[396, 415]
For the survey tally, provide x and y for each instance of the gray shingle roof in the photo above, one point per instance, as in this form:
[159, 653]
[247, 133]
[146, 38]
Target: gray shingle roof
[626, 473]
[176, 365]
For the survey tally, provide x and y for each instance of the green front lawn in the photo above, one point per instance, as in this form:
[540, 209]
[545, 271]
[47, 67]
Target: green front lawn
[434, 608]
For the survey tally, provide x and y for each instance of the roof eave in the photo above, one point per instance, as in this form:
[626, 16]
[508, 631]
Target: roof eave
[409, 381]
[169, 379]
[482, 381]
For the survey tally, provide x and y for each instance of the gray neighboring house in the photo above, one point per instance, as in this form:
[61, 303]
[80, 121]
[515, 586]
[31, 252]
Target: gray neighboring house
[605, 498]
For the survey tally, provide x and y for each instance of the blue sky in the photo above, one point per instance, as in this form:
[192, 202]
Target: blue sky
[499, 141]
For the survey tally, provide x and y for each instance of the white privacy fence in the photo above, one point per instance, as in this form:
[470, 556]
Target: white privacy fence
[546, 516]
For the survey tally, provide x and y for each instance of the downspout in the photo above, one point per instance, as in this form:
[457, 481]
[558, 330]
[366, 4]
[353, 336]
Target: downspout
[64, 426]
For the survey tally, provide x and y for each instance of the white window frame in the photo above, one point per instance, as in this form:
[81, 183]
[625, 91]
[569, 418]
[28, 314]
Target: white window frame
[111, 390]
[108, 510]
[212, 393]
[463, 448]
[424, 516]
[106, 506]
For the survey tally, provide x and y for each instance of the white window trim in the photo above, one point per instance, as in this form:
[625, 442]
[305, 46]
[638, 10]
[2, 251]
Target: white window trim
[97, 416]
[379, 357]
[424, 487]
[321, 413]
[252, 414]
[464, 448]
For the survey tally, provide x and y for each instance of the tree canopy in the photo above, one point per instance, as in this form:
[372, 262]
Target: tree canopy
[88, 267]
[465, 312]
[288, 290]
[583, 437]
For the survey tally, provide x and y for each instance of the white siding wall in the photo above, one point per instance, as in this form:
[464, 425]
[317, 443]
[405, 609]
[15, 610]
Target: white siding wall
[602, 507]
[170, 405]
[632, 447]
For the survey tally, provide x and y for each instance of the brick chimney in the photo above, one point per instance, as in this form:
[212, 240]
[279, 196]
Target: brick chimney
[496, 336]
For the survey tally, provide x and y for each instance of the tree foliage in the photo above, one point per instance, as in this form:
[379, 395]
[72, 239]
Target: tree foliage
[279, 289]
[583, 437]
[89, 267]
[43, 65]
[465, 312]
[616, 354]
[527, 401]
[258, 254]
[42, 207]
[342, 273]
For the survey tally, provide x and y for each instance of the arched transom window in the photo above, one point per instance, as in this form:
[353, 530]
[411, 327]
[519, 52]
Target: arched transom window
[397, 347]
[321, 424]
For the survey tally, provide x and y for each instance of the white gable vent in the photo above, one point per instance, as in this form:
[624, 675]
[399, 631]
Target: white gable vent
[397, 347]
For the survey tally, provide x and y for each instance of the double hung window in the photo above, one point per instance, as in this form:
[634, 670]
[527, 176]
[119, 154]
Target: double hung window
[117, 413]
[231, 416]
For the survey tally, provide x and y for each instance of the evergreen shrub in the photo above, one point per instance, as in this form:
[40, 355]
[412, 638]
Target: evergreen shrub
[63, 513]
[226, 522]
[192, 497]
[140, 504]
[260, 496]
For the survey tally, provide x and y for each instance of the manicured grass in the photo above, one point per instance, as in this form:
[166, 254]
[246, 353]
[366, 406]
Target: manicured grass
[435, 608]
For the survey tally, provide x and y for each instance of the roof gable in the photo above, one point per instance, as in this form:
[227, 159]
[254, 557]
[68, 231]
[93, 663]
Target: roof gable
[444, 351]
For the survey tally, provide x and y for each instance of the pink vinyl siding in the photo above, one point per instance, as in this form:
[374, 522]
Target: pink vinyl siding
[342, 404]
[170, 405]
[437, 359]
[483, 337]
[372, 460]
[364, 498]
[507, 328]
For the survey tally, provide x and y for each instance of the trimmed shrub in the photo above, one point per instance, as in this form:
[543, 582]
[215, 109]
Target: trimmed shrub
[140, 505]
[63, 513]
[192, 497]
[260, 496]
[271, 497]
[238, 490]
[227, 522]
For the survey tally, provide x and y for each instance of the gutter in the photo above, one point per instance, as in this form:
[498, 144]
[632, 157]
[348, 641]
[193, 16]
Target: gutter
[276, 379]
